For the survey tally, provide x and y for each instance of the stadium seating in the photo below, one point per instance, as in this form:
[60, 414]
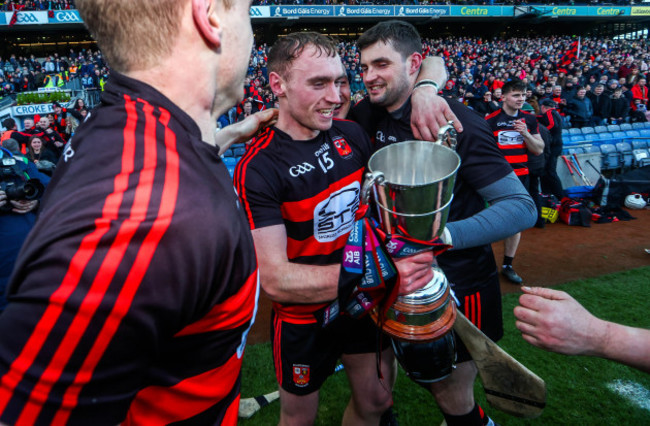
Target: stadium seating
[619, 136]
[638, 126]
[574, 131]
[645, 135]
[574, 150]
[641, 157]
[626, 126]
[565, 132]
[604, 136]
[591, 149]
[609, 156]
[626, 156]
[600, 129]
[230, 161]
[639, 144]
[633, 134]
[613, 128]
[587, 130]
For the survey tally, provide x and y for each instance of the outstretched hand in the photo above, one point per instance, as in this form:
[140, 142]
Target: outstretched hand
[555, 321]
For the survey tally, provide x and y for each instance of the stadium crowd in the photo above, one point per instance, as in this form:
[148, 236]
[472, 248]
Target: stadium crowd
[18, 5]
[27, 73]
[611, 72]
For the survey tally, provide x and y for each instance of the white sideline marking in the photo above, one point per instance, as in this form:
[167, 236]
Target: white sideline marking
[632, 391]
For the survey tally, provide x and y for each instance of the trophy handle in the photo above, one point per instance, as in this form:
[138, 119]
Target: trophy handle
[372, 179]
[447, 135]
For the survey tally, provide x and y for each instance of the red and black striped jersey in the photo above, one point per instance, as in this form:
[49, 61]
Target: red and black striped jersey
[510, 142]
[312, 187]
[133, 295]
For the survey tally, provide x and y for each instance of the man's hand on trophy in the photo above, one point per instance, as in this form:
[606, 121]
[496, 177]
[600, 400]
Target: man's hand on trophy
[414, 271]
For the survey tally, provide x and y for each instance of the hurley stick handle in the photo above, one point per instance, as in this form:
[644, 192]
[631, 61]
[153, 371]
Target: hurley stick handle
[509, 386]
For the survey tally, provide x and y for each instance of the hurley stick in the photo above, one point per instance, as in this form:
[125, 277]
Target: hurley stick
[250, 406]
[509, 386]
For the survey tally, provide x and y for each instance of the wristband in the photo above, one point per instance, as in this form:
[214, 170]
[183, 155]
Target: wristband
[427, 83]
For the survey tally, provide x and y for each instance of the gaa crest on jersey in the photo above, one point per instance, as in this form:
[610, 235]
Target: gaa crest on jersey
[301, 375]
[334, 216]
[342, 147]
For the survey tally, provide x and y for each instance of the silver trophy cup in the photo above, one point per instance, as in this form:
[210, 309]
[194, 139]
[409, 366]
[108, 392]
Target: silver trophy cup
[412, 186]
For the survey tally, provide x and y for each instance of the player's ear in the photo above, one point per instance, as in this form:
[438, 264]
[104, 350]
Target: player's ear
[277, 84]
[414, 63]
[207, 21]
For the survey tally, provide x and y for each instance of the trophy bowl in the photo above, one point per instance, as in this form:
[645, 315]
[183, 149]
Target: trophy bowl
[413, 184]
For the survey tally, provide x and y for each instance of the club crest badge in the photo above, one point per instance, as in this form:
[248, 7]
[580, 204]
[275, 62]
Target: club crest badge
[342, 147]
[301, 375]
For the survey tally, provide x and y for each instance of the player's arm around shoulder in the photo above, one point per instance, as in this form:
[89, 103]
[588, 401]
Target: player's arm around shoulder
[287, 282]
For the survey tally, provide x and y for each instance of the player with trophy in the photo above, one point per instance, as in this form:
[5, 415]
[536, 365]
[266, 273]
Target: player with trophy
[416, 186]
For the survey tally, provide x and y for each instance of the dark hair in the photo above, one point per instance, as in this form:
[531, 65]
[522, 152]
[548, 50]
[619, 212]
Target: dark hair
[514, 85]
[286, 49]
[8, 123]
[402, 35]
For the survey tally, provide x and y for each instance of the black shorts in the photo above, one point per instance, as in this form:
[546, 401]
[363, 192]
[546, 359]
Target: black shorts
[304, 355]
[482, 306]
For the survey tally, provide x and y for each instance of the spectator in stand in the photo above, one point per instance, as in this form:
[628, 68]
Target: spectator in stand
[532, 100]
[44, 159]
[356, 84]
[627, 67]
[474, 93]
[640, 92]
[570, 88]
[601, 104]
[556, 96]
[87, 81]
[247, 110]
[487, 104]
[634, 77]
[612, 85]
[620, 107]
[51, 138]
[580, 109]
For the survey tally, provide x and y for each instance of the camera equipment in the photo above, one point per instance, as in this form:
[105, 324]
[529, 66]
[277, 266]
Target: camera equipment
[15, 182]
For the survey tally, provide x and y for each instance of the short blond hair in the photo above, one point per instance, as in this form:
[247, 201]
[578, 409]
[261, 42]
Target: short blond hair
[133, 34]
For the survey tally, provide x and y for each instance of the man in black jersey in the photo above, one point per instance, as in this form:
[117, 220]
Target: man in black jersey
[390, 60]
[299, 183]
[551, 118]
[133, 295]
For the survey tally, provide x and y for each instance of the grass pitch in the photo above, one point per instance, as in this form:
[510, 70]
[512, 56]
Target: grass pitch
[581, 390]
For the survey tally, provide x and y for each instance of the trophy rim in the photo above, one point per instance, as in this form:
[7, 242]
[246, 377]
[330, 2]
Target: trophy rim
[415, 142]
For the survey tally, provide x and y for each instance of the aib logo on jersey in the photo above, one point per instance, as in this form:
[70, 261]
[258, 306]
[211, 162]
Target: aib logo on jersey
[342, 147]
[301, 375]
